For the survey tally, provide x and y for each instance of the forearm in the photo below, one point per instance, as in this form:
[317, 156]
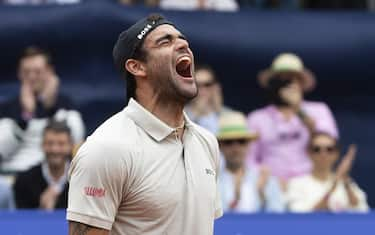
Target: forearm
[323, 202]
[76, 228]
[353, 199]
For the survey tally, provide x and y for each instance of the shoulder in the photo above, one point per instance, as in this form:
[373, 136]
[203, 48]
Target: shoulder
[260, 113]
[31, 174]
[110, 143]
[315, 106]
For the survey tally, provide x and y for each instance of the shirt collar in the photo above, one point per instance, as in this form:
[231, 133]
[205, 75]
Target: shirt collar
[152, 125]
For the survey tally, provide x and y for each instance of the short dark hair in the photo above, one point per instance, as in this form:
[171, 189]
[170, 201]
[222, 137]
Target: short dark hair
[57, 126]
[130, 45]
[32, 51]
[139, 54]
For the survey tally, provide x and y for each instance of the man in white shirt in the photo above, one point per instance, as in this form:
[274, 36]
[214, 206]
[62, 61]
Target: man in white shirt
[242, 189]
[148, 169]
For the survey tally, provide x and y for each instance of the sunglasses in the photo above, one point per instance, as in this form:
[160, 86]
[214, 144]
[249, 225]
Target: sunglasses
[320, 149]
[206, 84]
[233, 141]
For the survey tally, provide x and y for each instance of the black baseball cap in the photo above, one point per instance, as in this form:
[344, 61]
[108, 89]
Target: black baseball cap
[132, 38]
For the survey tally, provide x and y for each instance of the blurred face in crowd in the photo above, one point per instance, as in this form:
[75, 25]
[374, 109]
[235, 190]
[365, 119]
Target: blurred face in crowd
[170, 64]
[324, 152]
[234, 151]
[206, 84]
[34, 70]
[57, 147]
[285, 88]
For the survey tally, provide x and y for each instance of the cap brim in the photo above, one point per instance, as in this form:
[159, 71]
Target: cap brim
[307, 77]
[230, 136]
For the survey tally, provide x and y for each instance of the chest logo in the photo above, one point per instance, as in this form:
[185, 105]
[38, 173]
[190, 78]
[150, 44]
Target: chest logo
[94, 192]
[210, 172]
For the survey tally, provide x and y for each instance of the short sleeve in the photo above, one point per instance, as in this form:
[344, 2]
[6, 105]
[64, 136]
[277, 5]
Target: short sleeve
[323, 118]
[96, 184]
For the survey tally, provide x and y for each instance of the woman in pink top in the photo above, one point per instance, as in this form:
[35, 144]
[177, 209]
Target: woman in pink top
[285, 125]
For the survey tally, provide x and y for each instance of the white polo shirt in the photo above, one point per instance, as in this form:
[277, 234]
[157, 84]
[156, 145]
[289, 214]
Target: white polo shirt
[133, 176]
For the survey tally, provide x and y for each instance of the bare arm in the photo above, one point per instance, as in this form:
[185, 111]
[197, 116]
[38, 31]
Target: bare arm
[353, 199]
[323, 202]
[76, 228]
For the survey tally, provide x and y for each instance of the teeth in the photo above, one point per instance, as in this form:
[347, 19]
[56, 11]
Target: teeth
[184, 59]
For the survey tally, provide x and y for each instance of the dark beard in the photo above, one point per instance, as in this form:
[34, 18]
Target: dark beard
[169, 93]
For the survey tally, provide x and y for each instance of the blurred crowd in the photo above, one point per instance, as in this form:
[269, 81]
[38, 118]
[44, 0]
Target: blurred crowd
[283, 157]
[220, 5]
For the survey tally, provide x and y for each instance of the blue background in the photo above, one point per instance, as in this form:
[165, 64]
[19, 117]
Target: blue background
[43, 223]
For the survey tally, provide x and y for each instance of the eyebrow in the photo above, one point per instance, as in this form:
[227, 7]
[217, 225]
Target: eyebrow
[170, 37]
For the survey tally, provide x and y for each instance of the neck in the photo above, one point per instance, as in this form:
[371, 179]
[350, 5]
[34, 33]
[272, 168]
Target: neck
[56, 172]
[287, 111]
[321, 175]
[167, 110]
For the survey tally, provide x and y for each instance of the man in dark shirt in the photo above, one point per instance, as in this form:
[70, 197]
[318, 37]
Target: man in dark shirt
[45, 186]
[23, 118]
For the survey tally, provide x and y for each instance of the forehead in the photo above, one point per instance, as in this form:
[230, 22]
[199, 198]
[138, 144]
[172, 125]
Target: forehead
[203, 75]
[37, 60]
[323, 139]
[54, 135]
[160, 31]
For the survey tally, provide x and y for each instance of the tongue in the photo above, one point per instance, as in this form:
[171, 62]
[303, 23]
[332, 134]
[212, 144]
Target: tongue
[183, 68]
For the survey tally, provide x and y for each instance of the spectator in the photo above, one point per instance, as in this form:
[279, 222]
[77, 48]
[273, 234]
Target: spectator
[284, 126]
[45, 186]
[206, 108]
[242, 189]
[325, 189]
[6, 195]
[23, 118]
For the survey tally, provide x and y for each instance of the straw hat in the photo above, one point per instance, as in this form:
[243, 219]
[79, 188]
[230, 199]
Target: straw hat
[232, 125]
[288, 62]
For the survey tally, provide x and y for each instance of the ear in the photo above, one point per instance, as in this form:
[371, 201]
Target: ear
[135, 67]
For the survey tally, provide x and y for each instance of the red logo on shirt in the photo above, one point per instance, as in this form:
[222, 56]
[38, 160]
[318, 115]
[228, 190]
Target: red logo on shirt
[94, 192]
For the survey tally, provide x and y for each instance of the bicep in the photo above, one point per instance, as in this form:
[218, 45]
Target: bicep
[76, 228]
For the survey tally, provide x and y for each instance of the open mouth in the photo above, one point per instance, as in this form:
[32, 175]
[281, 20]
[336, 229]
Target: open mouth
[183, 67]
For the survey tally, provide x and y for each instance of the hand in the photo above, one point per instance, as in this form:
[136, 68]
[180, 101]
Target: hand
[263, 177]
[27, 98]
[48, 198]
[346, 163]
[292, 96]
[50, 90]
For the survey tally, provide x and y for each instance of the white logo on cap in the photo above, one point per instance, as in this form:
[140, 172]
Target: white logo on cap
[144, 31]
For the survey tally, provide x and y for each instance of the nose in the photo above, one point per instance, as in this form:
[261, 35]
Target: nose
[182, 44]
